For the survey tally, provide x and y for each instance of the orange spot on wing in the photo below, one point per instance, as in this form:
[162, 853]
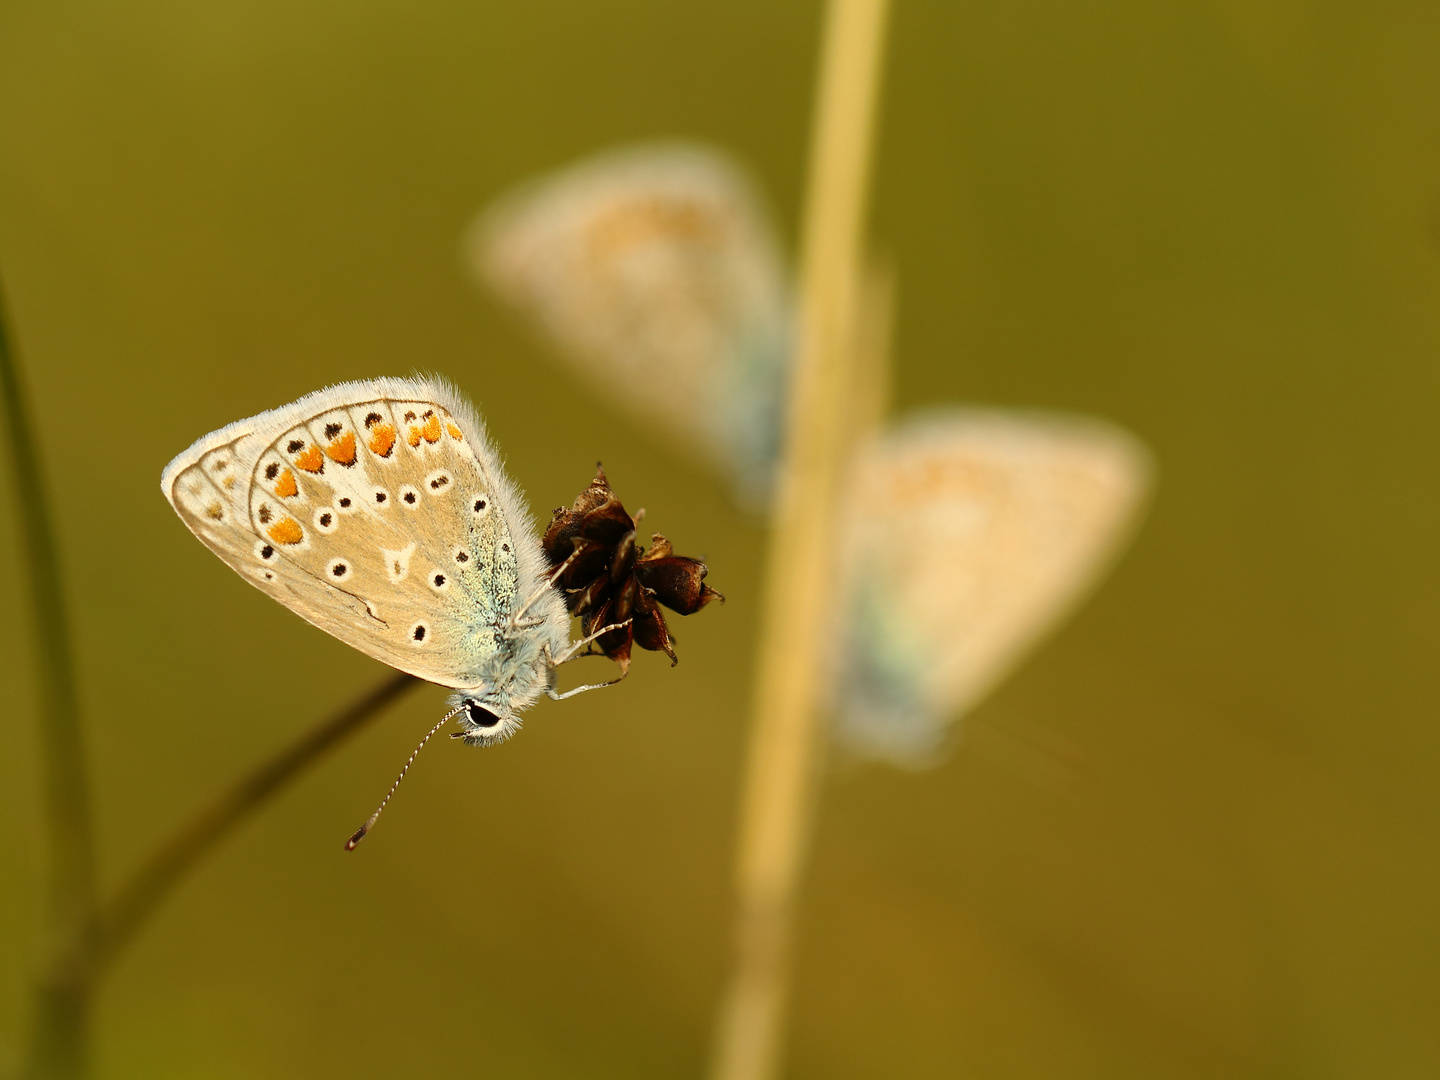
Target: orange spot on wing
[431, 431]
[310, 459]
[454, 431]
[215, 511]
[382, 439]
[342, 450]
[286, 531]
[414, 437]
[286, 487]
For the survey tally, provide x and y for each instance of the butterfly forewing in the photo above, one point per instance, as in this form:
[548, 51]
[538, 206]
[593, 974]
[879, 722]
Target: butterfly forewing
[381, 518]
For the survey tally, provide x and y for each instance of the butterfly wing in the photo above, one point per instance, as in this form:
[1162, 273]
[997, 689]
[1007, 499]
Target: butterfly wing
[969, 535]
[656, 273]
[377, 511]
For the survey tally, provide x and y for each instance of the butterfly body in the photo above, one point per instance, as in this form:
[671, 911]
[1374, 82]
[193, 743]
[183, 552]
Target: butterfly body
[379, 512]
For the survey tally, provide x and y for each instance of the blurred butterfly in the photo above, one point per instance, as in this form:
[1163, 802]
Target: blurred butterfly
[967, 534]
[657, 274]
[379, 512]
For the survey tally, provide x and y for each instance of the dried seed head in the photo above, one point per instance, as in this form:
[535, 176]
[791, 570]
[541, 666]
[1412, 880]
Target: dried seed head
[611, 578]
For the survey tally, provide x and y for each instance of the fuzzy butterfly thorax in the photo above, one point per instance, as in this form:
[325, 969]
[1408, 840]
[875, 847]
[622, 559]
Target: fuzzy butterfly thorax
[610, 579]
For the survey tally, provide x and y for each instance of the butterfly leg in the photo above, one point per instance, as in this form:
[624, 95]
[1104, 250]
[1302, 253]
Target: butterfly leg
[549, 584]
[554, 696]
[574, 650]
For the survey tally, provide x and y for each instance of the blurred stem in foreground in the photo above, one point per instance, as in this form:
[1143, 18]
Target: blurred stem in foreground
[61, 996]
[786, 737]
[89, 954]
[137, 900]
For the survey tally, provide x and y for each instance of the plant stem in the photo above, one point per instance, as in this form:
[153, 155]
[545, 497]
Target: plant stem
[874, 325]
[70, 979]
[61, 1000]
[137, 900]
[786, 731]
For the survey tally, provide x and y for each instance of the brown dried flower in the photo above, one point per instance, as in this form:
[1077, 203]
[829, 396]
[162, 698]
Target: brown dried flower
[610, 579]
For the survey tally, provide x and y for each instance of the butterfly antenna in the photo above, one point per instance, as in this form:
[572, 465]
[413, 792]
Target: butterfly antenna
[351, 844]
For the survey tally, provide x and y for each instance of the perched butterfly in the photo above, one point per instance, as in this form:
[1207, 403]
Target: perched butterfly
[966, 535]
[657, 273]
[379, 512]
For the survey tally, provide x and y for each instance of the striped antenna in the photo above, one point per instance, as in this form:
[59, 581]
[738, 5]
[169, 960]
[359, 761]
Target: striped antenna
[351, 844]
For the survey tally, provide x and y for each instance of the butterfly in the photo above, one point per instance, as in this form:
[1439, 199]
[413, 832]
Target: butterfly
[965, 535]
[657, 272]
[379, 512]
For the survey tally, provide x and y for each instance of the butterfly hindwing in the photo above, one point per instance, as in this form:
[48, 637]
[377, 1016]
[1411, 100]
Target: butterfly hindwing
[375, 510]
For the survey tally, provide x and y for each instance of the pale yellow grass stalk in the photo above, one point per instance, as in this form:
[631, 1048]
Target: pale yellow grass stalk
[787, 736]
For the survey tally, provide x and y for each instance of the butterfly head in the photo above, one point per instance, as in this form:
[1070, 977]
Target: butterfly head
[514, 677]
[485, 724]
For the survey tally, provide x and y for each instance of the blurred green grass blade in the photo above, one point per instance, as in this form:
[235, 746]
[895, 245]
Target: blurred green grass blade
[61, 995]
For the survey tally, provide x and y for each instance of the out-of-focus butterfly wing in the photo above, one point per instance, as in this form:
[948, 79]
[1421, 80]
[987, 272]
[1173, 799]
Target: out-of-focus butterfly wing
[968, 535]
[656, 273]
[377, 511]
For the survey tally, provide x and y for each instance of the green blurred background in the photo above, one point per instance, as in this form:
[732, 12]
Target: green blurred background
[1196, 836]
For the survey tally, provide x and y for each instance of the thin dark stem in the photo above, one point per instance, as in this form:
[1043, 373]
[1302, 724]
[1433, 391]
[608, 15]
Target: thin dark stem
[61, 998]
[137, 900]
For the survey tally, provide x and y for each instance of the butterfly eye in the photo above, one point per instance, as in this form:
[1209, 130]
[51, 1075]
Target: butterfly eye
[480, 716]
